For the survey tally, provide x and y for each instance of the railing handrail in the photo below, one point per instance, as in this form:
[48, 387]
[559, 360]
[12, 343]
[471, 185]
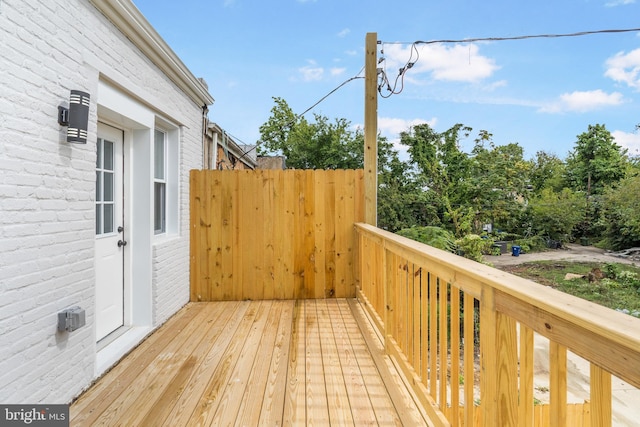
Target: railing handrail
[603, 336]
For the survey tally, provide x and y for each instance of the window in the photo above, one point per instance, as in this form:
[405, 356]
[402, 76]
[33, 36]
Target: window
[160, 182]
[104, 187]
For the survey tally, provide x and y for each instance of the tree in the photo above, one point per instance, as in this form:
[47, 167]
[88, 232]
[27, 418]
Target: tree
[318, 145]
[547, 171]
[500, 181]
[556, 214]
[621, 214]
[596, 161]
[445, 170]
[326, 145]
[401, 201]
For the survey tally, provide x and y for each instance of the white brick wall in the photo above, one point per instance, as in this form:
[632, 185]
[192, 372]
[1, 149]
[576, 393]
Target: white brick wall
[47, 191]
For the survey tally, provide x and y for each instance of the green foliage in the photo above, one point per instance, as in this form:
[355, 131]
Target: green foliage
[433, 236]
[499, 181]
[596, 161]
[621, 214]
[612, 270]
[619, 294]
[402, 203]
[547, 171]
[445, 172]
[319, 145]
[586, 196]
[474, 247]
[556, 214]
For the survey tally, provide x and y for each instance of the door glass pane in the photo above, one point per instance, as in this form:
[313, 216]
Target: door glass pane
[108, 155]
[108, 187]
[108, 218]
[98, 219]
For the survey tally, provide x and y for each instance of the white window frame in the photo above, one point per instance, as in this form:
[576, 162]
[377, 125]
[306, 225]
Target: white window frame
[162, 180]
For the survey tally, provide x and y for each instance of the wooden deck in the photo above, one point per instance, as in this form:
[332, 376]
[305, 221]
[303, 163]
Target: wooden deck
[250, 363]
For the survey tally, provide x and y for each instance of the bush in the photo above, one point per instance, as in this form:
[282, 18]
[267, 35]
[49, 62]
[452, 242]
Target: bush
[532, 244]
[430, 235]
[474, 247]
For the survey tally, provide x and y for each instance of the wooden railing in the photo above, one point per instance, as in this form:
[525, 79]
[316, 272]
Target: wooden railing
[463, 333]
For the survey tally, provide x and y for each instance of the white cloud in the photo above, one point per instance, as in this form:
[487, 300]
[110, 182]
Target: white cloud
[583, 101]
[391, 127]
[462, 63]
[311, 72]
[630, 141]
[351, 52]
[625, 68]
[614, 3]
[344, 33]
[337, 71]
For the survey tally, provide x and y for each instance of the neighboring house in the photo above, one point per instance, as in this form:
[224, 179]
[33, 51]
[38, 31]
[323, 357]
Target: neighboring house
[67, 209]
[227, 154]
[272, 162]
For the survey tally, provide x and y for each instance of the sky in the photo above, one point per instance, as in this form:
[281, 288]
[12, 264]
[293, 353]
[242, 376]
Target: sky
[540, 92]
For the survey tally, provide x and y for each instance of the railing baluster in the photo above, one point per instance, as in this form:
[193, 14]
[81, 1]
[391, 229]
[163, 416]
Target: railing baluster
[455, 355]
[600, 397]
[442, 347]
[416, 318]
[525, 404]
[469, 358]
[558, 383]
[507, 370]
[488, 359]
[433, 336]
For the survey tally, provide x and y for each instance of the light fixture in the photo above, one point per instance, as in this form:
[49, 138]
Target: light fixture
[76, 117]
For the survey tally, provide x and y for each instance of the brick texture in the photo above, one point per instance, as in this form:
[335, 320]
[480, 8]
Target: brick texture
[47, 190]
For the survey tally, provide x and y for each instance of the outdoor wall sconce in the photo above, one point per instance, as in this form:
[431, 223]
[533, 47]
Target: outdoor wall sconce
[76, 117]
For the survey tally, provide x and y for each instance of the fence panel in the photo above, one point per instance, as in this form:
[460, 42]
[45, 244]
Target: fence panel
[272, 234]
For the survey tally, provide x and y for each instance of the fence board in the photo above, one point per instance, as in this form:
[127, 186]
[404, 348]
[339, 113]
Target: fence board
[274, 234]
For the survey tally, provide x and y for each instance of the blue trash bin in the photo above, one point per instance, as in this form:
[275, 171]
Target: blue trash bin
[515, 250]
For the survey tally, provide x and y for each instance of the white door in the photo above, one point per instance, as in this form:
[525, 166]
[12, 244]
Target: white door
[110, 243]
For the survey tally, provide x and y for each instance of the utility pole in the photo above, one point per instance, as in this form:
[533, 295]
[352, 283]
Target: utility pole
[371, 129]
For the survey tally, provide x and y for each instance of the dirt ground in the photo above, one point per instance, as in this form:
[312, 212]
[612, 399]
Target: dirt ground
[571, 252]
[626, 398]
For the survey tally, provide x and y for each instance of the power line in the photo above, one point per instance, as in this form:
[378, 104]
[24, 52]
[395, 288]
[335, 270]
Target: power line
[535, 36]
[298, 116]
[384, 80]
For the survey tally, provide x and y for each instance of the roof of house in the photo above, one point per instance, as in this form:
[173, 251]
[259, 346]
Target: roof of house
[128, 19]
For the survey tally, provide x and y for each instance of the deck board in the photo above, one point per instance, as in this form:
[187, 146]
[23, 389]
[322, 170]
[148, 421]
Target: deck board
[248, 363]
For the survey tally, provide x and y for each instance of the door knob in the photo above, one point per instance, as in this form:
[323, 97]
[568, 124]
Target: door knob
[122, 243]
[120, 229]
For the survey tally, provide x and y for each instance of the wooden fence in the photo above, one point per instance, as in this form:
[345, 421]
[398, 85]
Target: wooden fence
[270, 234]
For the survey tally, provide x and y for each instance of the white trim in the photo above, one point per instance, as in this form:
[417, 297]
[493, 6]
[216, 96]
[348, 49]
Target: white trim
[128, 19]
[108, 356]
